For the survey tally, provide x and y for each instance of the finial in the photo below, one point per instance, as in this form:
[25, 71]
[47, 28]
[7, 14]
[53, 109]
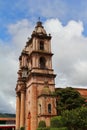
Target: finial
[39, 19]
[39, 23]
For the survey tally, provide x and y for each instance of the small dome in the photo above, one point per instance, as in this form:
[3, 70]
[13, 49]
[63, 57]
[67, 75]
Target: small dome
[46, 90]
[39, 29]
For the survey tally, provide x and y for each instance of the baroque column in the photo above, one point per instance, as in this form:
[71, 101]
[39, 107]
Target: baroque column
[22, 111]
[17, 111]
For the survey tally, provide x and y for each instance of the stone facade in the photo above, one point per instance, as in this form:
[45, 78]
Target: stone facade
[36, 82]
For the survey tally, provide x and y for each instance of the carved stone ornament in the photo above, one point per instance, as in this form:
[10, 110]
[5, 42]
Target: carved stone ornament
[20, 87]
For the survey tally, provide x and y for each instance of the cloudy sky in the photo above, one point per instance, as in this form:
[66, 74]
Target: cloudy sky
[66, 20]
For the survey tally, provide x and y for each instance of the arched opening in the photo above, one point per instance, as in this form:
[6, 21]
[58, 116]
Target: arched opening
[41, 45]
[42, 62]
[49, 108]
[39, 108]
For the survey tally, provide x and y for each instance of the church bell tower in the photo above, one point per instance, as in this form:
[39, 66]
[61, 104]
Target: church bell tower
[36, 82]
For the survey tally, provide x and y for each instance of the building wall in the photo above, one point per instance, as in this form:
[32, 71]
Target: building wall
[82, 91]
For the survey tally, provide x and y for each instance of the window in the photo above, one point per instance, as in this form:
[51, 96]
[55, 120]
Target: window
[41, 45]
[39, 108]
[49, 108]
[29, 115]
[42, 62]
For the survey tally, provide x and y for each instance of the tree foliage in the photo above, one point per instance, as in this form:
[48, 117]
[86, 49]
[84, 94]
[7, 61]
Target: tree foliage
[68, 99]
[56, 122]
[42, 124]
[75, 119]
[22, 128]
[7, 115]
[62, 128]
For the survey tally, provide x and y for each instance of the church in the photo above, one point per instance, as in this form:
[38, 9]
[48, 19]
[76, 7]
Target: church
[36, 82]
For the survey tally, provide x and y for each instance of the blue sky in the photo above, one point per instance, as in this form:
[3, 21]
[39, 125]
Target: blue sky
[13, 10]
[66, 20]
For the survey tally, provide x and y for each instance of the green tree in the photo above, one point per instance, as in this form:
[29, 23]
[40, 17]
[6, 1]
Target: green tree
[75, 119]
[42, 124]
[22, 128]
[68, 99]
[57, 122]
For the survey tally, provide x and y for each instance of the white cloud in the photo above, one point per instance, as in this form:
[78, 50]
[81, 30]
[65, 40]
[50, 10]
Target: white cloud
[8, 66]
[69, 46]
[9, 54]
[81, 73]
[20, 31]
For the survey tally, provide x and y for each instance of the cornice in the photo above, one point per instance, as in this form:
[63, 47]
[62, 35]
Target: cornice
[35, 83]
[46, 115]
[41, 36]
[45, 53]
[47, 95]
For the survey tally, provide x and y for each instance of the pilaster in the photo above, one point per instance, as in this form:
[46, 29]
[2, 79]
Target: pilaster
[22, 110]
[17, 111]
